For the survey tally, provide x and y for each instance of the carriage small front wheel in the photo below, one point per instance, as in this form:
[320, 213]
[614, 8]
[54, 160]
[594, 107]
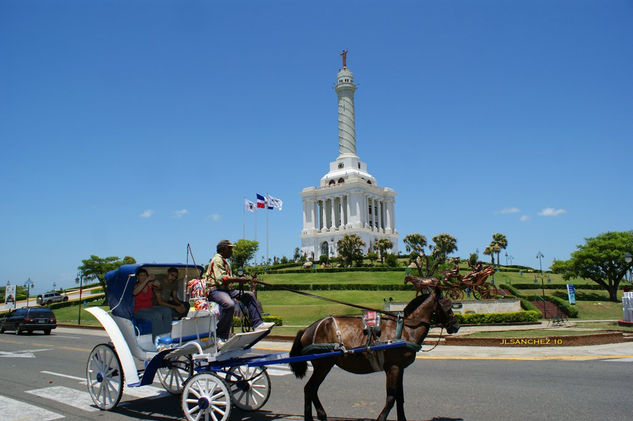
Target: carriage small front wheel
[205, 396]
[104, 376]
[174, 376]
[249, 387]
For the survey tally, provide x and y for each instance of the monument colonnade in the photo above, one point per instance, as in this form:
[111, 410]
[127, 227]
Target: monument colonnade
[349, 210]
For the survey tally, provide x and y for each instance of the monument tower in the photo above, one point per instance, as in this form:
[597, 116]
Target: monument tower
[348, 199]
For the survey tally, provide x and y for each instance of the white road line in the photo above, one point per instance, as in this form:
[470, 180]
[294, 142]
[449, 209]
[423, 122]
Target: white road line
[27, 353]
[52, 373]
[67, 396]
[149, 391]
[13, 410]
[619, 360]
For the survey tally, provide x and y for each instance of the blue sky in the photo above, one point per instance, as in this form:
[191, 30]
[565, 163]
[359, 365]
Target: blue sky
[136, 127]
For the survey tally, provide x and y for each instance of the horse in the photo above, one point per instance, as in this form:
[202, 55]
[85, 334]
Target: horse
[348, 332]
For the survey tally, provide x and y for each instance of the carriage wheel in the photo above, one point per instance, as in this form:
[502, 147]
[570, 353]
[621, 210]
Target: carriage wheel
[455, 294]
[490, 292]
[104, 376]
[174, 376]
[249, 387]
[205, 396]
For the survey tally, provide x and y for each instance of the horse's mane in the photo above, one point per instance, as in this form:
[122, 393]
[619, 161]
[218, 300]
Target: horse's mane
[415, 303]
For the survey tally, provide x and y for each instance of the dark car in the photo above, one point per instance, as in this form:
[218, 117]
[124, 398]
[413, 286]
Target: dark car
[28, 319]
[51, 297]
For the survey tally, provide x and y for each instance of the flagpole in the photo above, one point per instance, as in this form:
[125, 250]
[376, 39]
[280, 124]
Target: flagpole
[244, 218]
[267, 257]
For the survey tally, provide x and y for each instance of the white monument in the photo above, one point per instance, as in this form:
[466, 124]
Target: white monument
[348, 199]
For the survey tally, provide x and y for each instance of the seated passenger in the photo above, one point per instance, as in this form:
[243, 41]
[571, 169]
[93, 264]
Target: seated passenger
[219, 278]
[167, 295]
[144, 307]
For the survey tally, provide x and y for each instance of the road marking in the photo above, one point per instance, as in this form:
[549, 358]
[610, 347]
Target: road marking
[560, 357]
[147, 392]
[14, 410]
[27, 353]
[52, 373]
[67, 396]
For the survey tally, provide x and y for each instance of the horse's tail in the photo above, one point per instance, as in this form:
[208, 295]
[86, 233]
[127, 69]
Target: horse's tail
[299, 368]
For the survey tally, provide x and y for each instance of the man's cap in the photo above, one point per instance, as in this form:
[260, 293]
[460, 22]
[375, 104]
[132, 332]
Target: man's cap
[225, 243]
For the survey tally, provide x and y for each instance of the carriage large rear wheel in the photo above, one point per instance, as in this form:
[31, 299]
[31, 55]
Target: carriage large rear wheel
[104, 376]
[174, 376]
[249, 387]
[206, 397]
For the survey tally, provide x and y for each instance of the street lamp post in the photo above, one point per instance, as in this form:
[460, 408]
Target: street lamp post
[28, 285]
[540, 256]
[80, 280]
[54, 286]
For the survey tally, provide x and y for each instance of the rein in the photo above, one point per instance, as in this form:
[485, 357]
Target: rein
[307, 294]
[391, 314]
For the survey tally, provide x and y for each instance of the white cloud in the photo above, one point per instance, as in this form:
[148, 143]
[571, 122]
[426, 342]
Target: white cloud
[552, 212]
[180, 213]
[525, 218]
[215, 217]
[147, 213]
[507, 211]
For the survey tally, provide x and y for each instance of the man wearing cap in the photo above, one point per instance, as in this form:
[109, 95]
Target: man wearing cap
[219, 278]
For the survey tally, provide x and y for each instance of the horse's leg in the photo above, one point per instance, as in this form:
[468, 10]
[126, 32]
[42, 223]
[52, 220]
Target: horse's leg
[321, 369]
[392, 387]
[400, 395]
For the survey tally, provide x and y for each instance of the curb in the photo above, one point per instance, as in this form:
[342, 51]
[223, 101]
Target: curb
[540, 341]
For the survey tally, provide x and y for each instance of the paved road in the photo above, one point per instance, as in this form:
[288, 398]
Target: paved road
[42, 378]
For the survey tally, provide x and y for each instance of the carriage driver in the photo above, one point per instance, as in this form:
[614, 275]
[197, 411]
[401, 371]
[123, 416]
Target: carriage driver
[219, 278]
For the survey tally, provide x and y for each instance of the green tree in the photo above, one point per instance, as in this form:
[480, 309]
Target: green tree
[600, 259]
[472, 259]
[297, 255]
[499, 242]
[350, 248]
[490, 251]
[382, 245]
[429, 262]
[96, 267]
[372, 256]
[243, 251]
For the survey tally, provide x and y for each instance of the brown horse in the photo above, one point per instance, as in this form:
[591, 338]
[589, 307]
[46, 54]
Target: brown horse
[348, 331]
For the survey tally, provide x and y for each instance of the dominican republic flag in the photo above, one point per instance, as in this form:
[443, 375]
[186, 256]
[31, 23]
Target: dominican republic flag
[274, 203]
[249, 206]
[261, 201]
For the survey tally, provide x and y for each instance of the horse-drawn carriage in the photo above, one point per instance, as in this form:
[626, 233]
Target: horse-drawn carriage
[211, 379]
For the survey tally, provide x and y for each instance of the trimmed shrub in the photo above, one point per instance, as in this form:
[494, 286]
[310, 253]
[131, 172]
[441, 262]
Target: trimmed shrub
[496, 318]
[89, 299]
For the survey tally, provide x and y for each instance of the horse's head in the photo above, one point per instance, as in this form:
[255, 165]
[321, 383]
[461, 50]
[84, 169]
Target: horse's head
[445, 315]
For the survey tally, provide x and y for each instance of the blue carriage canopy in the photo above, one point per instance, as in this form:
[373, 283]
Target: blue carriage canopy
[120, 283]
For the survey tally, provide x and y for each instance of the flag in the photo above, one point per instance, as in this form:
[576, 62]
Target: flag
[261, 201]
[273, 202]
[249, 206]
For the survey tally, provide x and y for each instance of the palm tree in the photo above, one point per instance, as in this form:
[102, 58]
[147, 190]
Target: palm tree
[383, 244]
[488, 252]
[501, 243]
[350, 248]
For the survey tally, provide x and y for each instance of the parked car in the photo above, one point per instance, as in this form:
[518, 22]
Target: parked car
[51, 297]
[28, 319]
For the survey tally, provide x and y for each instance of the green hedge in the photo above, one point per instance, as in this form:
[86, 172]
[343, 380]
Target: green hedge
[489, 318]
[561, 286]
[63, 304]
[331, 270]
[337, 287]
[512, 289]
[563, 305]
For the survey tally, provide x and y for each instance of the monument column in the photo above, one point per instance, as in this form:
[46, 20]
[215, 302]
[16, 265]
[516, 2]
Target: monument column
[345, 89]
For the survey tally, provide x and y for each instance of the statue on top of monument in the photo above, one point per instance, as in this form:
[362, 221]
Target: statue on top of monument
[344, 55]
